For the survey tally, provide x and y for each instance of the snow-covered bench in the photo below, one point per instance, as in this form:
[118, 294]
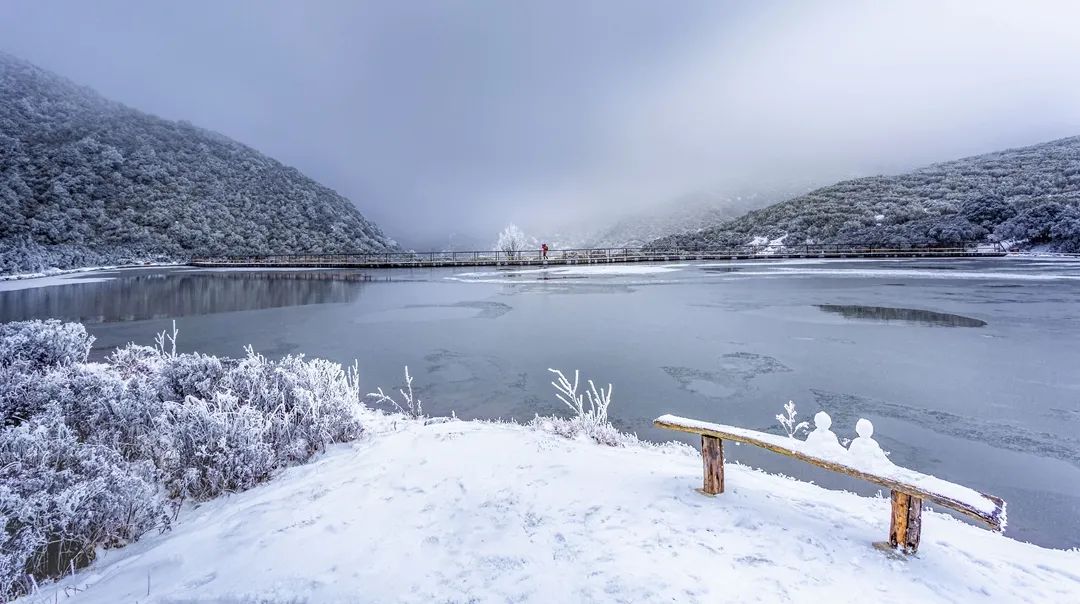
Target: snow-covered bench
[909, 488]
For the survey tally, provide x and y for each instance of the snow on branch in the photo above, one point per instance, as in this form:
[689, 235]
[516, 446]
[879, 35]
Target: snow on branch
[590, 412]
[512, 241]
[599, 400]
[787, 421]
[161, 338]
[410, 405]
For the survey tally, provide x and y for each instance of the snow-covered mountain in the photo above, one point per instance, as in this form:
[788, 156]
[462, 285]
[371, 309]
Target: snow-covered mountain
[87, 181]
[689, 212]
[1030, 194]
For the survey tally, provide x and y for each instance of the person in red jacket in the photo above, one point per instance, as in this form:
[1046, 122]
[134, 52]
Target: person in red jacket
[543, 250]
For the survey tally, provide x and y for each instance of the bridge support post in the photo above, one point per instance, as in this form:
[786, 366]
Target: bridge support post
[906, 526]
[712, 459]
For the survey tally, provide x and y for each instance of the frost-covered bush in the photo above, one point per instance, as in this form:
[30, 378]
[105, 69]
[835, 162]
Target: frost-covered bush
[186, 375]
[90, 451]
[208, 447]
[410, 404]
[590, 409]
[40, 344]
[309, 403]
[788, 423]
[60, 499]
[17, 395]
[574, 427]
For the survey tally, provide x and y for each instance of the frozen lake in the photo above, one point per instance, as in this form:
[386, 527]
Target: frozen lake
[969, 369]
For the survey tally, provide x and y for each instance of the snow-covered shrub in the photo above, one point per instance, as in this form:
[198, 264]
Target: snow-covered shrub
[134, 361]
[573, 427]
[18, 400]
[85, 446]
[60, 499]
[788, 423]
[40, 344]
[410, 405]
[590, 412]
[208, 447]
[598, 400]
[309, 403]
[183, 375]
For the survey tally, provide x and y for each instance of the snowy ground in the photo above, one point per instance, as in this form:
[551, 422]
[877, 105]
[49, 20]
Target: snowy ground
[467, 511]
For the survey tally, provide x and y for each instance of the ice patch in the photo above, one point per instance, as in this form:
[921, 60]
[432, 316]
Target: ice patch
[907, 273]
[33, 282]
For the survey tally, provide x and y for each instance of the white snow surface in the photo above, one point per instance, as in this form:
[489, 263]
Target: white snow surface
[480, 512]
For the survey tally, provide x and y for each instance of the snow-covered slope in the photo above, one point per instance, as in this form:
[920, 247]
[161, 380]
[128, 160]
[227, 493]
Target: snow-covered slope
[1030, 194]
[85, 181]
[467, 511]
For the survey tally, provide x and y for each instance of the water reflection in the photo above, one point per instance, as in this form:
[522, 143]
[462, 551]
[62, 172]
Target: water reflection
[143, 296]
[908, 315]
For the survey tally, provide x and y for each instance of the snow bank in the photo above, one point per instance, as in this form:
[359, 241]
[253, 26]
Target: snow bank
[469, 511]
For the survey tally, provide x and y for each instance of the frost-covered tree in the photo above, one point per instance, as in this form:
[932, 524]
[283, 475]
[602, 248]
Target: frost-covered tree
[511, 241]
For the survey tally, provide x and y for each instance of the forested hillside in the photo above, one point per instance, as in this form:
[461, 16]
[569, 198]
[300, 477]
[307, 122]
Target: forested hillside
[1028, 196]
[692, 211]
[86, 181]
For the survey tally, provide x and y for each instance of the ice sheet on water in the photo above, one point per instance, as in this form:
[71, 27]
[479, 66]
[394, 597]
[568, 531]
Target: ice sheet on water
[909, 274]
[732, 377]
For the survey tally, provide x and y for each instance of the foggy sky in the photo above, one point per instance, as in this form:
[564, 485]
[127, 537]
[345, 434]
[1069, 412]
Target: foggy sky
[448, 116]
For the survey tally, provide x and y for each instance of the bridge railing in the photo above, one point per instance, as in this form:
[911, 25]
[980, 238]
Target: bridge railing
[589, 255]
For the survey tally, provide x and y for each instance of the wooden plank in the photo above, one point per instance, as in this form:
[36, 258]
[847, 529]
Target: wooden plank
[905, 529]
[898, 524]
[712, 461]
[994, 519]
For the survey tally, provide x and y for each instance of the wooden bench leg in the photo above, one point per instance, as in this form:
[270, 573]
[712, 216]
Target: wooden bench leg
[906, 526]
[712, 458]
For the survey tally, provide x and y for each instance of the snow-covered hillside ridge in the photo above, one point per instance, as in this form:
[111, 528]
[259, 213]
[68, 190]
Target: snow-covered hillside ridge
[1029, 195]
[85, 181]
[686, 213]
[478, 512]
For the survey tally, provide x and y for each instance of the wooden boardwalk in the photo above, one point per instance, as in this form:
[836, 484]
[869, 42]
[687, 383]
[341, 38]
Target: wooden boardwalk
[583, 256]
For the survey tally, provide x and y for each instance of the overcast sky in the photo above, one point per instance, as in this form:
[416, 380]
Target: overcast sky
[445, 116]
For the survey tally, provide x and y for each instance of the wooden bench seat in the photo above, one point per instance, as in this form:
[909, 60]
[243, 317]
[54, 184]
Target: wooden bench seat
[909, 488]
